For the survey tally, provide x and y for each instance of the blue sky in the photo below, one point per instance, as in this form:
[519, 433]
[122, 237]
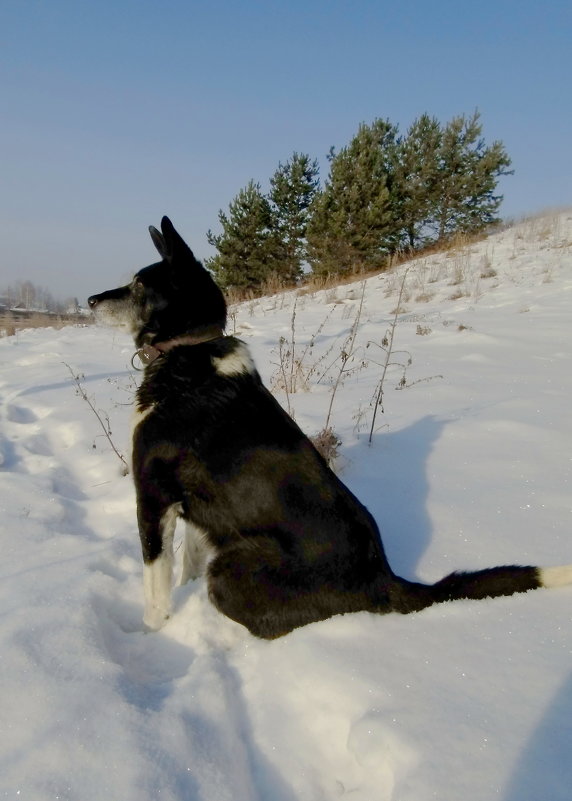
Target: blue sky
[115, 113]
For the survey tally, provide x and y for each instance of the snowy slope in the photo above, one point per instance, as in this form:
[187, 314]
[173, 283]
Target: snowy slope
[469, 700]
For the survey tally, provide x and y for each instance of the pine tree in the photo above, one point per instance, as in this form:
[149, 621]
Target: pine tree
[351, 224]
[249, 251]
[384, 192]
[293, 188]
[416, 180]
[467, 178]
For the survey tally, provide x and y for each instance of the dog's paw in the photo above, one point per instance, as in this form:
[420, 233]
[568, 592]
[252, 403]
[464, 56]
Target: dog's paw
[155, 618]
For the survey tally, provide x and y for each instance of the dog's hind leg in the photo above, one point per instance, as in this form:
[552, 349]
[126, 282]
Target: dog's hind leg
[157, 542]
[271, 592]
[195, 552]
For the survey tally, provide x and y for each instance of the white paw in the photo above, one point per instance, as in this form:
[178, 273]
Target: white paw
[155, 618]
[157, 590]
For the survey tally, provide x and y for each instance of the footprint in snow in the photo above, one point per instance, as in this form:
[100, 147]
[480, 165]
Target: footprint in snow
[149, 663]
[375, 742]
[20, 415]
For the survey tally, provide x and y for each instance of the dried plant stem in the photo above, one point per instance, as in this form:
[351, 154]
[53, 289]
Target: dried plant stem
[293, 373]
[283, 373]
[345, 356]
[293, 345]
[83, 394]
[388, 351]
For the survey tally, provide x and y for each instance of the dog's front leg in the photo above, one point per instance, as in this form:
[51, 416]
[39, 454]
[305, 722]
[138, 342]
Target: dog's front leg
[157, 532]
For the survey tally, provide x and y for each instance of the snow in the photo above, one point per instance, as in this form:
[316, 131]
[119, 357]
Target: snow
[468, 700]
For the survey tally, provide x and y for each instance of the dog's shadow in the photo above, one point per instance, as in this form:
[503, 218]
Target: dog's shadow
[390, 478]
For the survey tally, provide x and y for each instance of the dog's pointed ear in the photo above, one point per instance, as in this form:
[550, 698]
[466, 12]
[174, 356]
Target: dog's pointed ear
[159, 241]
[176, 249]
[175, 243]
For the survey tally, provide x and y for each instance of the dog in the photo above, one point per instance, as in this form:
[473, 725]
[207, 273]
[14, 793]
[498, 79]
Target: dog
[282, 541]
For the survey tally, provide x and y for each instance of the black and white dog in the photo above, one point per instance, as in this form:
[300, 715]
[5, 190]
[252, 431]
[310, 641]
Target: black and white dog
[282, 541]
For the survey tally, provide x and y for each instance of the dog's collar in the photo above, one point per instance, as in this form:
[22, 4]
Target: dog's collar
[149, 353]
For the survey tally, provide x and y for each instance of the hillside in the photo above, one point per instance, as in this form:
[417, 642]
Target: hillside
[469, 467]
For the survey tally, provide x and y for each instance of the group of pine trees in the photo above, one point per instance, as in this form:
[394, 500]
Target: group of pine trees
[385, 193]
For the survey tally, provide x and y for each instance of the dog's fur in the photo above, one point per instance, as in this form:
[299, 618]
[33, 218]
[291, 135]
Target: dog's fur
[282, 540]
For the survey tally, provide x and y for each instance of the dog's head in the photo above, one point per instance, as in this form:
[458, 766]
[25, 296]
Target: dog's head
[171, 298]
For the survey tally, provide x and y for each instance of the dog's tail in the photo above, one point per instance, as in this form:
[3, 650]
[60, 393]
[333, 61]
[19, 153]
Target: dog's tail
[408, 596]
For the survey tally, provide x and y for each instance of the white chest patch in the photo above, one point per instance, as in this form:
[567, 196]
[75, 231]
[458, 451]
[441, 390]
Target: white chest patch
[238, 362]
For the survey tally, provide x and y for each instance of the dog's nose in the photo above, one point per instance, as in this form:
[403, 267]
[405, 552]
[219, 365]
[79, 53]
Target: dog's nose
[92, 301]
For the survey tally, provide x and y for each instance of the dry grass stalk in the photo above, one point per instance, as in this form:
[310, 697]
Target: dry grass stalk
[104, 425]
[387, 346]
[346, 356]
[327, 444]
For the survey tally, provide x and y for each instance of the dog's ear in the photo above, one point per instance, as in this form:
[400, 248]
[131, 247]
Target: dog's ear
[176, 245]
[177, 252]
[169, 243]
[172, 247]
[158, 241]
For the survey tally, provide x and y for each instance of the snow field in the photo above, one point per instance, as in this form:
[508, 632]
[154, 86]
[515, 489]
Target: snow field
[468, 700]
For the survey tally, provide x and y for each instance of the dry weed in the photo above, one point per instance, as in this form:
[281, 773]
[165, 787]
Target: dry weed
[327, 444]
